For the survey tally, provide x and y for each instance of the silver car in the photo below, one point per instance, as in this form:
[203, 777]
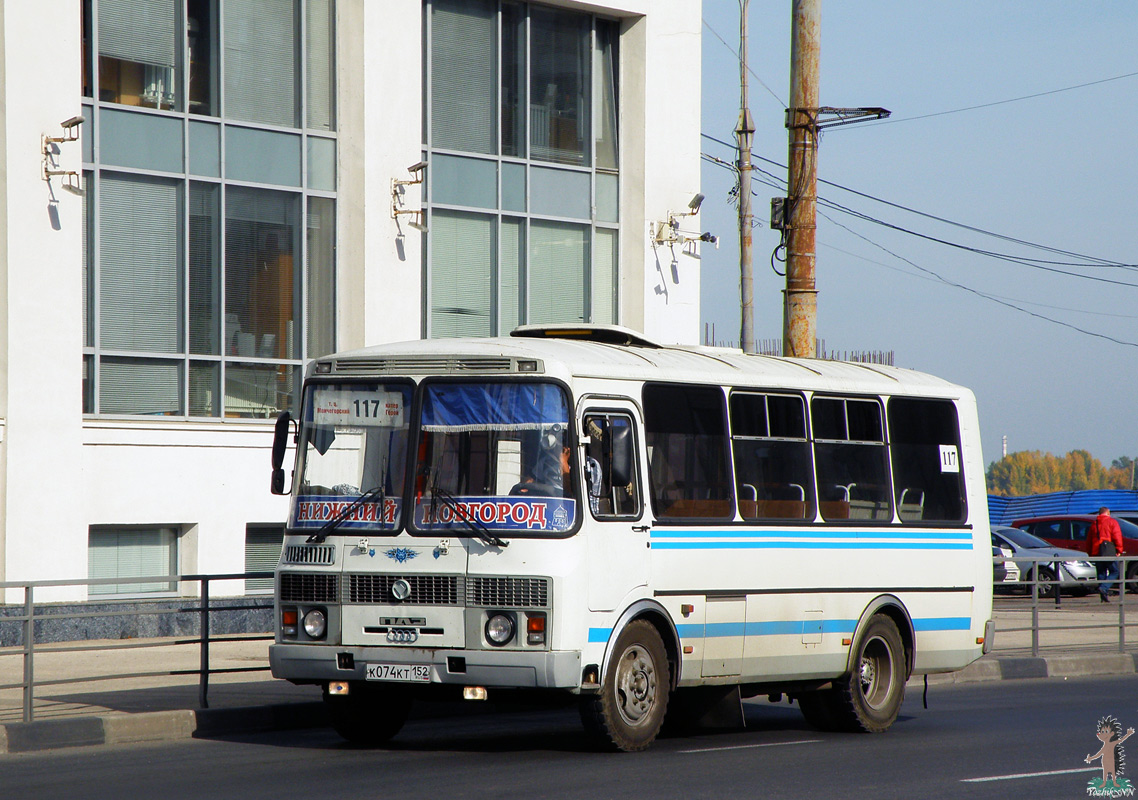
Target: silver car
[1075, 572]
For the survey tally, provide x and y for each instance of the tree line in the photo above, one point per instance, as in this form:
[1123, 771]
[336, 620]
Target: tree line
[1035, 472]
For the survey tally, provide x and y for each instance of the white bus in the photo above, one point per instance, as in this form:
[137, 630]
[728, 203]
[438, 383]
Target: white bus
[578, 509]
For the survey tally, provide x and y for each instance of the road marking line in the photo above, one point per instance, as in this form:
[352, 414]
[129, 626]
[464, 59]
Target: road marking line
[1030, 775]
[750, 746]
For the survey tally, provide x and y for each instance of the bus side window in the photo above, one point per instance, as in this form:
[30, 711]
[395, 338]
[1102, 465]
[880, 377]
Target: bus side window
[611, 482]
[685, 428]
[850, 458]
[924, 444]
[773, 469]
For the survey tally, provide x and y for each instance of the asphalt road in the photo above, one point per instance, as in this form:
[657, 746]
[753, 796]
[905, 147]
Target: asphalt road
[1003, 740]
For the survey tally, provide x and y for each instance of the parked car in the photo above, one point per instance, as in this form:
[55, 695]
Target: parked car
[1005, 573]
[1076, 574]
[1070, 530]
[999, 568]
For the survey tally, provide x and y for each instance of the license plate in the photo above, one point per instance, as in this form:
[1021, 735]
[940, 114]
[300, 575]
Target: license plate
[404, 673]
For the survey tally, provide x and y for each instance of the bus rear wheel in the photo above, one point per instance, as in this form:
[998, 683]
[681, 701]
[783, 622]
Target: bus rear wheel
[369, 714]
[629, 710]
[870, 696]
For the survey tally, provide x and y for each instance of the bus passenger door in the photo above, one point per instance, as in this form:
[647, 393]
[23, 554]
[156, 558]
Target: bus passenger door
[614, 519]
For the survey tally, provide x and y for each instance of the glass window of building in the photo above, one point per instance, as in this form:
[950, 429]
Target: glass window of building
[210, 224]
[520, 136]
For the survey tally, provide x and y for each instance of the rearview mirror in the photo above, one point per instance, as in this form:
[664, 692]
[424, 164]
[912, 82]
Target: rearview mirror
[620, 440]
[280, 444]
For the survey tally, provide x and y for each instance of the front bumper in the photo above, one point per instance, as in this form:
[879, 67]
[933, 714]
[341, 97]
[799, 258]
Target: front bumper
[306, 663]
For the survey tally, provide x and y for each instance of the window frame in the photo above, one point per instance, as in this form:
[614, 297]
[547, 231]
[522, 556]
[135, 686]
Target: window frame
[598, 302]
[311, 332]
[824, 458]
[635, 480]
[809, 490]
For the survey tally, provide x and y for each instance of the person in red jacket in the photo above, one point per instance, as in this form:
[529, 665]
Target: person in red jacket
[1104, 538]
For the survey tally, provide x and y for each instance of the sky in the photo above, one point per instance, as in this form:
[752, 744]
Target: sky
[1051, 357]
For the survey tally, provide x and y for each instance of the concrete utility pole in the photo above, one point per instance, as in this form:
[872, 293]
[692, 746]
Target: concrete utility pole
[745, 137]
[800, 307]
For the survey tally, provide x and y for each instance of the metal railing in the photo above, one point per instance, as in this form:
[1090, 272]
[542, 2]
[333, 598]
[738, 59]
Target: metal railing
[199, 605]
[1048, 590]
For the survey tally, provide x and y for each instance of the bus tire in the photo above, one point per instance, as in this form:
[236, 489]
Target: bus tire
[869, 697]
[369, 715]
[629, 710]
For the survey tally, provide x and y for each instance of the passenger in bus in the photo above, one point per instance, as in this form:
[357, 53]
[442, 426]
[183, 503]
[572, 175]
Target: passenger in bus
[546, 476]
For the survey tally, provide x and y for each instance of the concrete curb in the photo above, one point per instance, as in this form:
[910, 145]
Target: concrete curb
[157, 726]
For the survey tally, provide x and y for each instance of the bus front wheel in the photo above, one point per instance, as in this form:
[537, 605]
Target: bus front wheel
[628, 711]
[370, 714]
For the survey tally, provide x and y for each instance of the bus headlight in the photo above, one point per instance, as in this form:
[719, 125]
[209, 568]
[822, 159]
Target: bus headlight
[316, 623]
[499, 630]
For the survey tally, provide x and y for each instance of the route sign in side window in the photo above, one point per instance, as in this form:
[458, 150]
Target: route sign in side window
[924, 443]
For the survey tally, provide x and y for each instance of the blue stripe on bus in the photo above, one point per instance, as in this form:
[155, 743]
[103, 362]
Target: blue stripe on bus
[942, 624]
[804, 540]
[811, 546]
[809, 534]
[788, 628]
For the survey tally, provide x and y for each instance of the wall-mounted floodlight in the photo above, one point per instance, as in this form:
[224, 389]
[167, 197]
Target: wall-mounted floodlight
[399, 186]
[417, 169]
[70, 132]
[669, 232]
[417, 219]
[71, 180]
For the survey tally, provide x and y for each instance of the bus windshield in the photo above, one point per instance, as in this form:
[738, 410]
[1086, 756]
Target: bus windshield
[354, 438]
[494, 456]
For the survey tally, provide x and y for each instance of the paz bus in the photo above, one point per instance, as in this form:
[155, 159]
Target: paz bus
[579, 510]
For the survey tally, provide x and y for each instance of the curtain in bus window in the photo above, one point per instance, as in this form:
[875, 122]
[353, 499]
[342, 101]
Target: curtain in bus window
[850, 459]
[924, 441]
[482, 406]
[773, 474]
[686, 433]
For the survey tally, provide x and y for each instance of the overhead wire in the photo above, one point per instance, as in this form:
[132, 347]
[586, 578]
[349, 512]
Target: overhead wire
[778, 183]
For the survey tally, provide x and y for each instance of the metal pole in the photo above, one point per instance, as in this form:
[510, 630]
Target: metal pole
[744, 135]
[29, 653]
[1035, 609]
[801, 298]
[203, 678]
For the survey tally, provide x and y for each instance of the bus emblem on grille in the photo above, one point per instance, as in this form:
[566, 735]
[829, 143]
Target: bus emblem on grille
[401, 589]
[402, 635]
[401, 554]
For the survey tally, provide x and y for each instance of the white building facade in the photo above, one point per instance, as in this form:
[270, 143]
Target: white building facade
[238, 200]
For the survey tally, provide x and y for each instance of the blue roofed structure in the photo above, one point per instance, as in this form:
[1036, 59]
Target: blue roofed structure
[1002, 510]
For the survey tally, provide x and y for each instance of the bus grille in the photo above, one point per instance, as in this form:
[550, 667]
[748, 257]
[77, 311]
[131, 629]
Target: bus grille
[309, 587]
[420, 365]
[426, 590]
[508, 592]
[310, 554]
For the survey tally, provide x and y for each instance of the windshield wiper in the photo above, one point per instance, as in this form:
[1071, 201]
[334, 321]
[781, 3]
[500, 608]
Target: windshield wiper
[335, 522]
[473, 525]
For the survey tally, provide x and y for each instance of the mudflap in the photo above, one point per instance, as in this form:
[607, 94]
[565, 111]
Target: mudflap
[705, 708]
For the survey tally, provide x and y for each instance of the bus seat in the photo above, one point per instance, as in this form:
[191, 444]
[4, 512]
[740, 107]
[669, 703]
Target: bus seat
[834, 509]
[698, 509]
